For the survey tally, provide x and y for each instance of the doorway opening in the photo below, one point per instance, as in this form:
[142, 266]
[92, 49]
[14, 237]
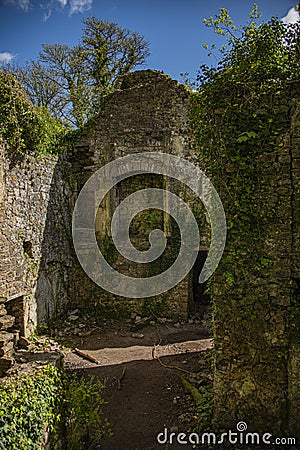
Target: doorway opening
[201, 301]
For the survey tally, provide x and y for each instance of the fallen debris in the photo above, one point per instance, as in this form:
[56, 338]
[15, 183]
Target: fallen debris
[86, 356]
[137, 335]
[120, 379]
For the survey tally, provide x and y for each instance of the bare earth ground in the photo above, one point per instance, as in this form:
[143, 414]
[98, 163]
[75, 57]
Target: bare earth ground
[144, 390]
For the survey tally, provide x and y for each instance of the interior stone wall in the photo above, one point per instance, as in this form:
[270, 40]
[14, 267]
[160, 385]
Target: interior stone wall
[147, 114]
[35, 250]
[257, 358]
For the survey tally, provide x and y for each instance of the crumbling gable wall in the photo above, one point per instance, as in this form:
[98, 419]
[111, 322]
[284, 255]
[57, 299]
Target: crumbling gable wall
[147, 114]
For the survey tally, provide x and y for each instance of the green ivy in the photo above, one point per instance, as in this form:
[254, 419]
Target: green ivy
[24, 127]
[29, 402]
[69, 407]
[84, 424]
[238, 117]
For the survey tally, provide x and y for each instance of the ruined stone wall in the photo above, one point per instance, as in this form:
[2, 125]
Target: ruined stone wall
[257, 315]
[294, 341]
[34, 219]
[148, 113]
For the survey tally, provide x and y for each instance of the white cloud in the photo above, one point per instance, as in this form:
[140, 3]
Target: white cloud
[292, 16]
[62, 2]
[22, 4]
[52, 4]
[6, 57]
[47, 15]
[79, 6]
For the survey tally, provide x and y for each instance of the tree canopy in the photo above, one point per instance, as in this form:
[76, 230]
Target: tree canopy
[71, 82]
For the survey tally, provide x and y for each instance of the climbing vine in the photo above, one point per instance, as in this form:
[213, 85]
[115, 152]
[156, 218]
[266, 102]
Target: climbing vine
[239, 115]
[29, 406]
[25, 127]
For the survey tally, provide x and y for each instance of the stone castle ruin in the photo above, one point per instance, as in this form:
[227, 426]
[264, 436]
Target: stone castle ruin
[41, 276]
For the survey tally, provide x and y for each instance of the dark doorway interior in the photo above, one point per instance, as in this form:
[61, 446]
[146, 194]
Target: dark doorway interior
[200, 299]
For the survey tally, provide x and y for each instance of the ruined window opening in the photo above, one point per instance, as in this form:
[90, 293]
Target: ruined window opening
[27, 249]
[15, 307]
[296, 296]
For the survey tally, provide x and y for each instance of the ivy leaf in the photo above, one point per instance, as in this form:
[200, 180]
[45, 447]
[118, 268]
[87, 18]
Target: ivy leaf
[243, 137]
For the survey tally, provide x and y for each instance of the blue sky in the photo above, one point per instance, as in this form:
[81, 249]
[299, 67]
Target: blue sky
[174, 28]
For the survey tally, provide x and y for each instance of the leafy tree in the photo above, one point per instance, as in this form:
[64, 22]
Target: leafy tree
[72, 81]
[24, 126]
[269, 51]
[240, 113]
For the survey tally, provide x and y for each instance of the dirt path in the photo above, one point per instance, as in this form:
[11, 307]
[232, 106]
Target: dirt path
[144, 395]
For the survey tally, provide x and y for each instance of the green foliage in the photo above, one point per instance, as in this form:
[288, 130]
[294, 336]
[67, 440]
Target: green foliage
[204, 404]
[69, 407]
[28, 403]
[72, 81]
[238, 117]
[205, 410]
[53, 134]
[23, 126]
[108, 249]
[18, 121]
[82, 414]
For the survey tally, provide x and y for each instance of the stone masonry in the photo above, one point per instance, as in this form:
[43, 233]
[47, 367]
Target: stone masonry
[256, 360]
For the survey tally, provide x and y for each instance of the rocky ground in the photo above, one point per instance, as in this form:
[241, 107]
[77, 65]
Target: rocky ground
[143, 363]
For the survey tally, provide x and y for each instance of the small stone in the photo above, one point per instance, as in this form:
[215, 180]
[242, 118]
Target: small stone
[7, 349]
[137, 318]
[5, 364]
[6, 322]
[85, 333]
[137, 335]
[191, 321]
[174, 429]
[5, 337]
[152, 322]
[3, 310]
[54, 348]
[24, 342]
[71, 317]
[22, 360]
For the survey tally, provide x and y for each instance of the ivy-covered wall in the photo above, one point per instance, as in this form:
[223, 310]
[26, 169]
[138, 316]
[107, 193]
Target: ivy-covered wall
[256, 287]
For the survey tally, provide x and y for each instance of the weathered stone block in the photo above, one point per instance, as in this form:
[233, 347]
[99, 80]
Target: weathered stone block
[6, 322]
[6, 337]
[3, 310]
[7, 349]
[5, 364]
